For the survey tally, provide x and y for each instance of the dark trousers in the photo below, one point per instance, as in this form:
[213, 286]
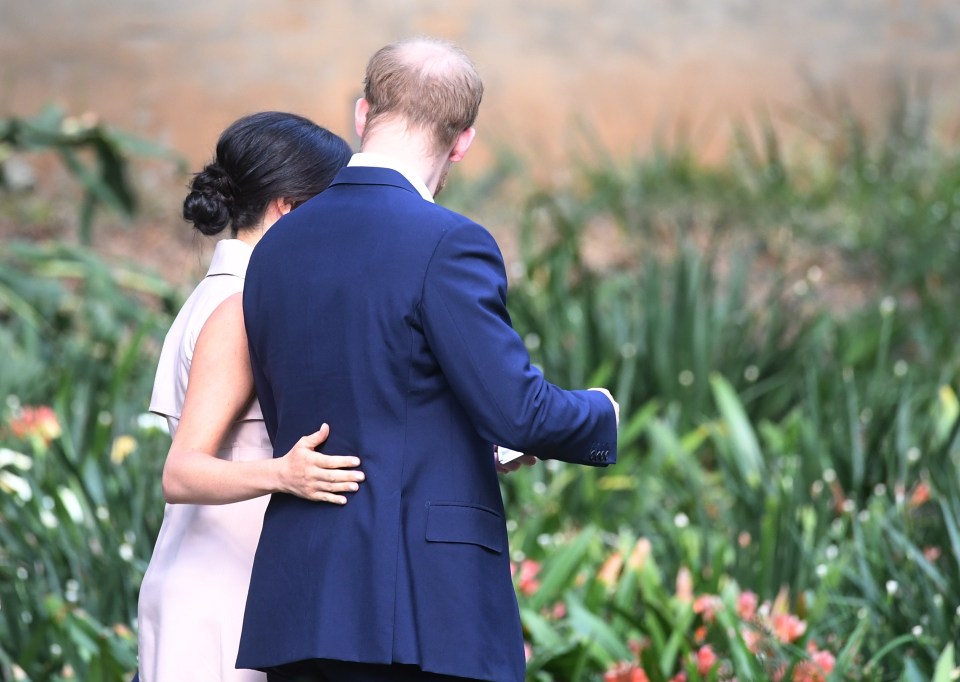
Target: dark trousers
[322, 670]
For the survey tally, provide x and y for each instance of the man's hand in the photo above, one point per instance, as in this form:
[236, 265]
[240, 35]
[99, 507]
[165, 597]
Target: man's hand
[315, 476]
[616, 405]
[513, 464]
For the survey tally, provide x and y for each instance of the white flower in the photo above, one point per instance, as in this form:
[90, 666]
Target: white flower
[71, 504]
[686, 378]
[917, 630]
[888, 305]
[18, 486]
[829, 475]
[126, 552]
[832, 552]
[681, 520]
[48, 519]
[821, 570]
[892, 587]
[17, 460]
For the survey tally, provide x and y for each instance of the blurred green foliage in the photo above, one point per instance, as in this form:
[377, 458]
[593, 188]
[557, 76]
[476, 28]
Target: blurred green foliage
[778, 331]
[97, 157]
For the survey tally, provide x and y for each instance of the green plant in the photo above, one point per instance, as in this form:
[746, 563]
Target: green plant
[96, 155]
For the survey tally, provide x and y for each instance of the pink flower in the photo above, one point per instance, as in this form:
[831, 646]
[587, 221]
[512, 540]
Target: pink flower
[528, 583]
[825, 661]
[684, 585]
[625, 672]
[747, 605]
[527, 651]
[679, 677]
[707, 605]
[788, 628]
[752, 638]
[706, 659]
[558, 610]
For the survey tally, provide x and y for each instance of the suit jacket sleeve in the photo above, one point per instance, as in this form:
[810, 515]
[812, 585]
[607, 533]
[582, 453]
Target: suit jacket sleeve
[467, 326]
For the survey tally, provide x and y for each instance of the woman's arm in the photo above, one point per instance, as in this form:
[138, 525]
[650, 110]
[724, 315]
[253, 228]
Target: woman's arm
[219, 391]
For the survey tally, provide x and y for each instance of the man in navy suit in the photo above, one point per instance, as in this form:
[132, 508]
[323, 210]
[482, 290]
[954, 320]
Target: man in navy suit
[383, 314]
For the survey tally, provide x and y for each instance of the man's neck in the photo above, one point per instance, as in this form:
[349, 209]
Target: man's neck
[409, 149]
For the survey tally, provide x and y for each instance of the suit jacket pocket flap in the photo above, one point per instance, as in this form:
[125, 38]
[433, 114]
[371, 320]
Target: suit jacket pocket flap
[471, 524]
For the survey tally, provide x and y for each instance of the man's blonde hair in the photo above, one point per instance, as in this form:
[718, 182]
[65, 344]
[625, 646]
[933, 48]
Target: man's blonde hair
[428, 83]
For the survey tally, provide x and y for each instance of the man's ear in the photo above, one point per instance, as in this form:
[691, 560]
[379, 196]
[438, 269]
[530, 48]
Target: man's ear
[460, 147]
[360, 112]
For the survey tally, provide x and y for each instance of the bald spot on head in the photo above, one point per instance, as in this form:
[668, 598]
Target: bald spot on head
[426, 83]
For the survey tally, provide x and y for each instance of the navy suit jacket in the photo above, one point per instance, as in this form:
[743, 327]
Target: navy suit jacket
[385, 316]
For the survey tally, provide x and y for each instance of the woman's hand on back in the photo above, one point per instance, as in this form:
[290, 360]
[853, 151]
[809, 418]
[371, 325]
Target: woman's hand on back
[312, 475]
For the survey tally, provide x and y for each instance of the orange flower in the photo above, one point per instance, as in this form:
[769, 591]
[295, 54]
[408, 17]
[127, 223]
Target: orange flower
[920, 495]
[788, 628]
[706, 659]
[638, 557]
[610, 570]
[528, 583]
[700, 634]
[805, 671]
[36, 422]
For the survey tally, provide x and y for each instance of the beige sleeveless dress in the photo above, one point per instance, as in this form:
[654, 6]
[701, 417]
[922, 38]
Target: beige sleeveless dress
[193, 594]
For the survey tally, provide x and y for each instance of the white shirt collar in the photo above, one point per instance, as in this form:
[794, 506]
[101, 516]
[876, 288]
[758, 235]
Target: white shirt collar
[371, 159]
[230, 257]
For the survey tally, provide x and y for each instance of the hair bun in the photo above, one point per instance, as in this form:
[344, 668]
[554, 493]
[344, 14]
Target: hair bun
[210, 203]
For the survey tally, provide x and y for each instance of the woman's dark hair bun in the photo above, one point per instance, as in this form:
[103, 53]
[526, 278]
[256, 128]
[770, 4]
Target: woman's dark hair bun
[210, 203]
[261, 158]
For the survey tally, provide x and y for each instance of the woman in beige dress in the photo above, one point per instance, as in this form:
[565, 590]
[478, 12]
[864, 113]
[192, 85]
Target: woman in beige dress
[220, 471]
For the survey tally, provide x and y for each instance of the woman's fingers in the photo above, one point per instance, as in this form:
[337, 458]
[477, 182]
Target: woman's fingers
[314, 439]
[332, 461]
